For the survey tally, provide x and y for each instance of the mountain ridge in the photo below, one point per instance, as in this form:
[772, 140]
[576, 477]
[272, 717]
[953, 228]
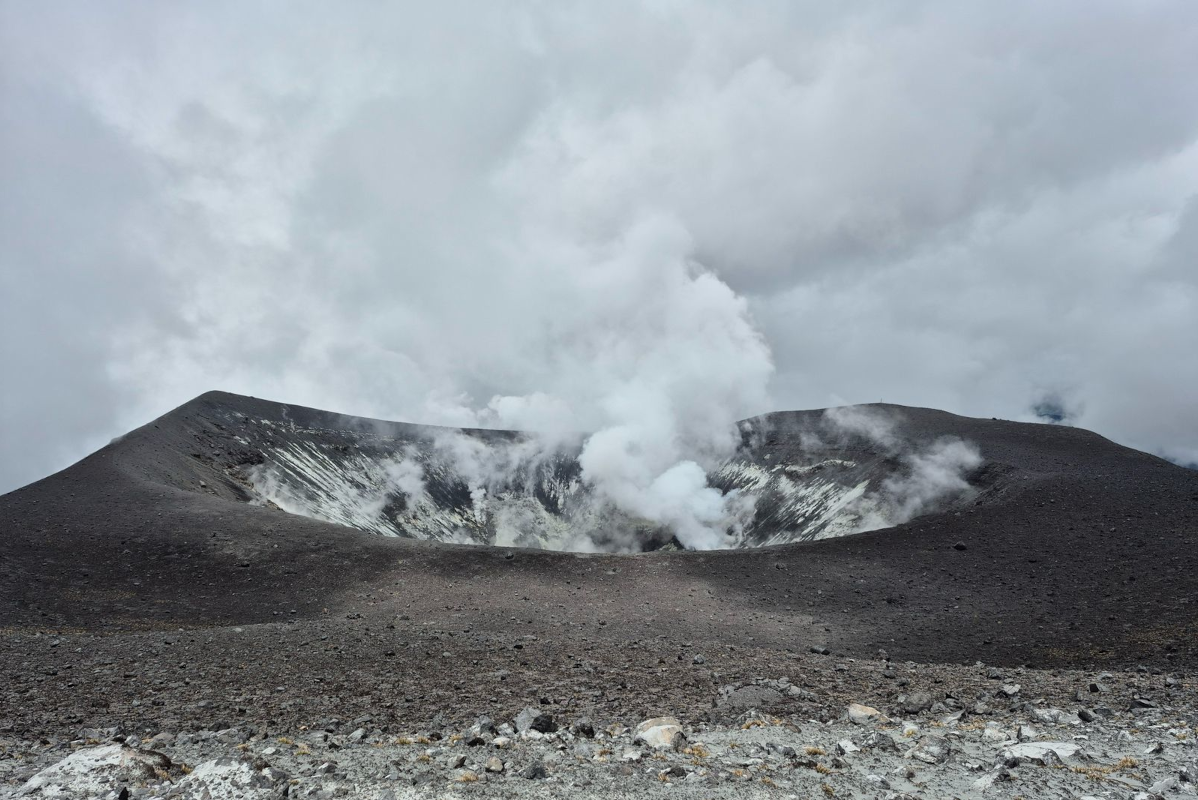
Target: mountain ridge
[1088, 556]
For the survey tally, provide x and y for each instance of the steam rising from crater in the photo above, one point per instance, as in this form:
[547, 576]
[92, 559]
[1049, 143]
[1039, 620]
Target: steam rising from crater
[931, 474]
[656, 358]
[792, 477]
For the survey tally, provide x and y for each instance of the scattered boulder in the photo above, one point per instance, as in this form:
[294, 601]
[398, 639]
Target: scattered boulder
[1055, 716]
[930, 750]
[802, 694]
[916, 702]
[863, 715]
[531, 719]
[94, 771]
[993, 733]
[1164, 785]
[877, 740]
[480, 732]
[223, 779]
[1038, 752]
[878, 780]
[660, 733]
[953, 718]
[275, 775]
[484, 726]
[989, 779]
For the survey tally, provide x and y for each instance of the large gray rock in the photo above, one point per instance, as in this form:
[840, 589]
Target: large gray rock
[1162, 786]
[863, 715]
[225, 779]
[916, 702]
[1039, 752]
[660, 733]
[930, 750]
[1055, 716]
[530, 719]
[95, 771]
[876, 740]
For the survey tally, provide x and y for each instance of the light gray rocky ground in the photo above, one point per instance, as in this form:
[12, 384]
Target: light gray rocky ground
[1107, 743]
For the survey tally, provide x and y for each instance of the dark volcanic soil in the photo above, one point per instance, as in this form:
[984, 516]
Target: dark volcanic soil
[122, 579]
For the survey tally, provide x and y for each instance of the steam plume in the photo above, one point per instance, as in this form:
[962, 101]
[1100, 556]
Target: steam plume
[932, 475]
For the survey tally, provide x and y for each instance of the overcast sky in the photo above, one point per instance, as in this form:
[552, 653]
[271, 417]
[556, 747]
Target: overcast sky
[559, 215]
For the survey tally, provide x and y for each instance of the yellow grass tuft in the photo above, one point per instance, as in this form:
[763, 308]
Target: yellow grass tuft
[1098, 772]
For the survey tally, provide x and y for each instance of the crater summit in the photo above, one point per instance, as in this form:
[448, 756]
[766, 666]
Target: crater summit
[795, 476]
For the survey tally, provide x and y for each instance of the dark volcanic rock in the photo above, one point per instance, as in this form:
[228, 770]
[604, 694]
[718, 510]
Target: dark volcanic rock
[917, 702]
[530, 719]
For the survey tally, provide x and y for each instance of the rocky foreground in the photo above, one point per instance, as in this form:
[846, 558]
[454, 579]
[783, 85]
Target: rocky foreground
[937, 732]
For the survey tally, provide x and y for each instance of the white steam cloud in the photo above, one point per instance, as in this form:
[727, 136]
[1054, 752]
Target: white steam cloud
[656, 360]
[931, 475]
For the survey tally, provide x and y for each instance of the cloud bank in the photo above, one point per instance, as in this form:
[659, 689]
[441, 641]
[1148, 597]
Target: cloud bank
[645, 220]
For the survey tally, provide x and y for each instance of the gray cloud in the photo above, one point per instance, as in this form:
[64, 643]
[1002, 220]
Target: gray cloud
[646, 219]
